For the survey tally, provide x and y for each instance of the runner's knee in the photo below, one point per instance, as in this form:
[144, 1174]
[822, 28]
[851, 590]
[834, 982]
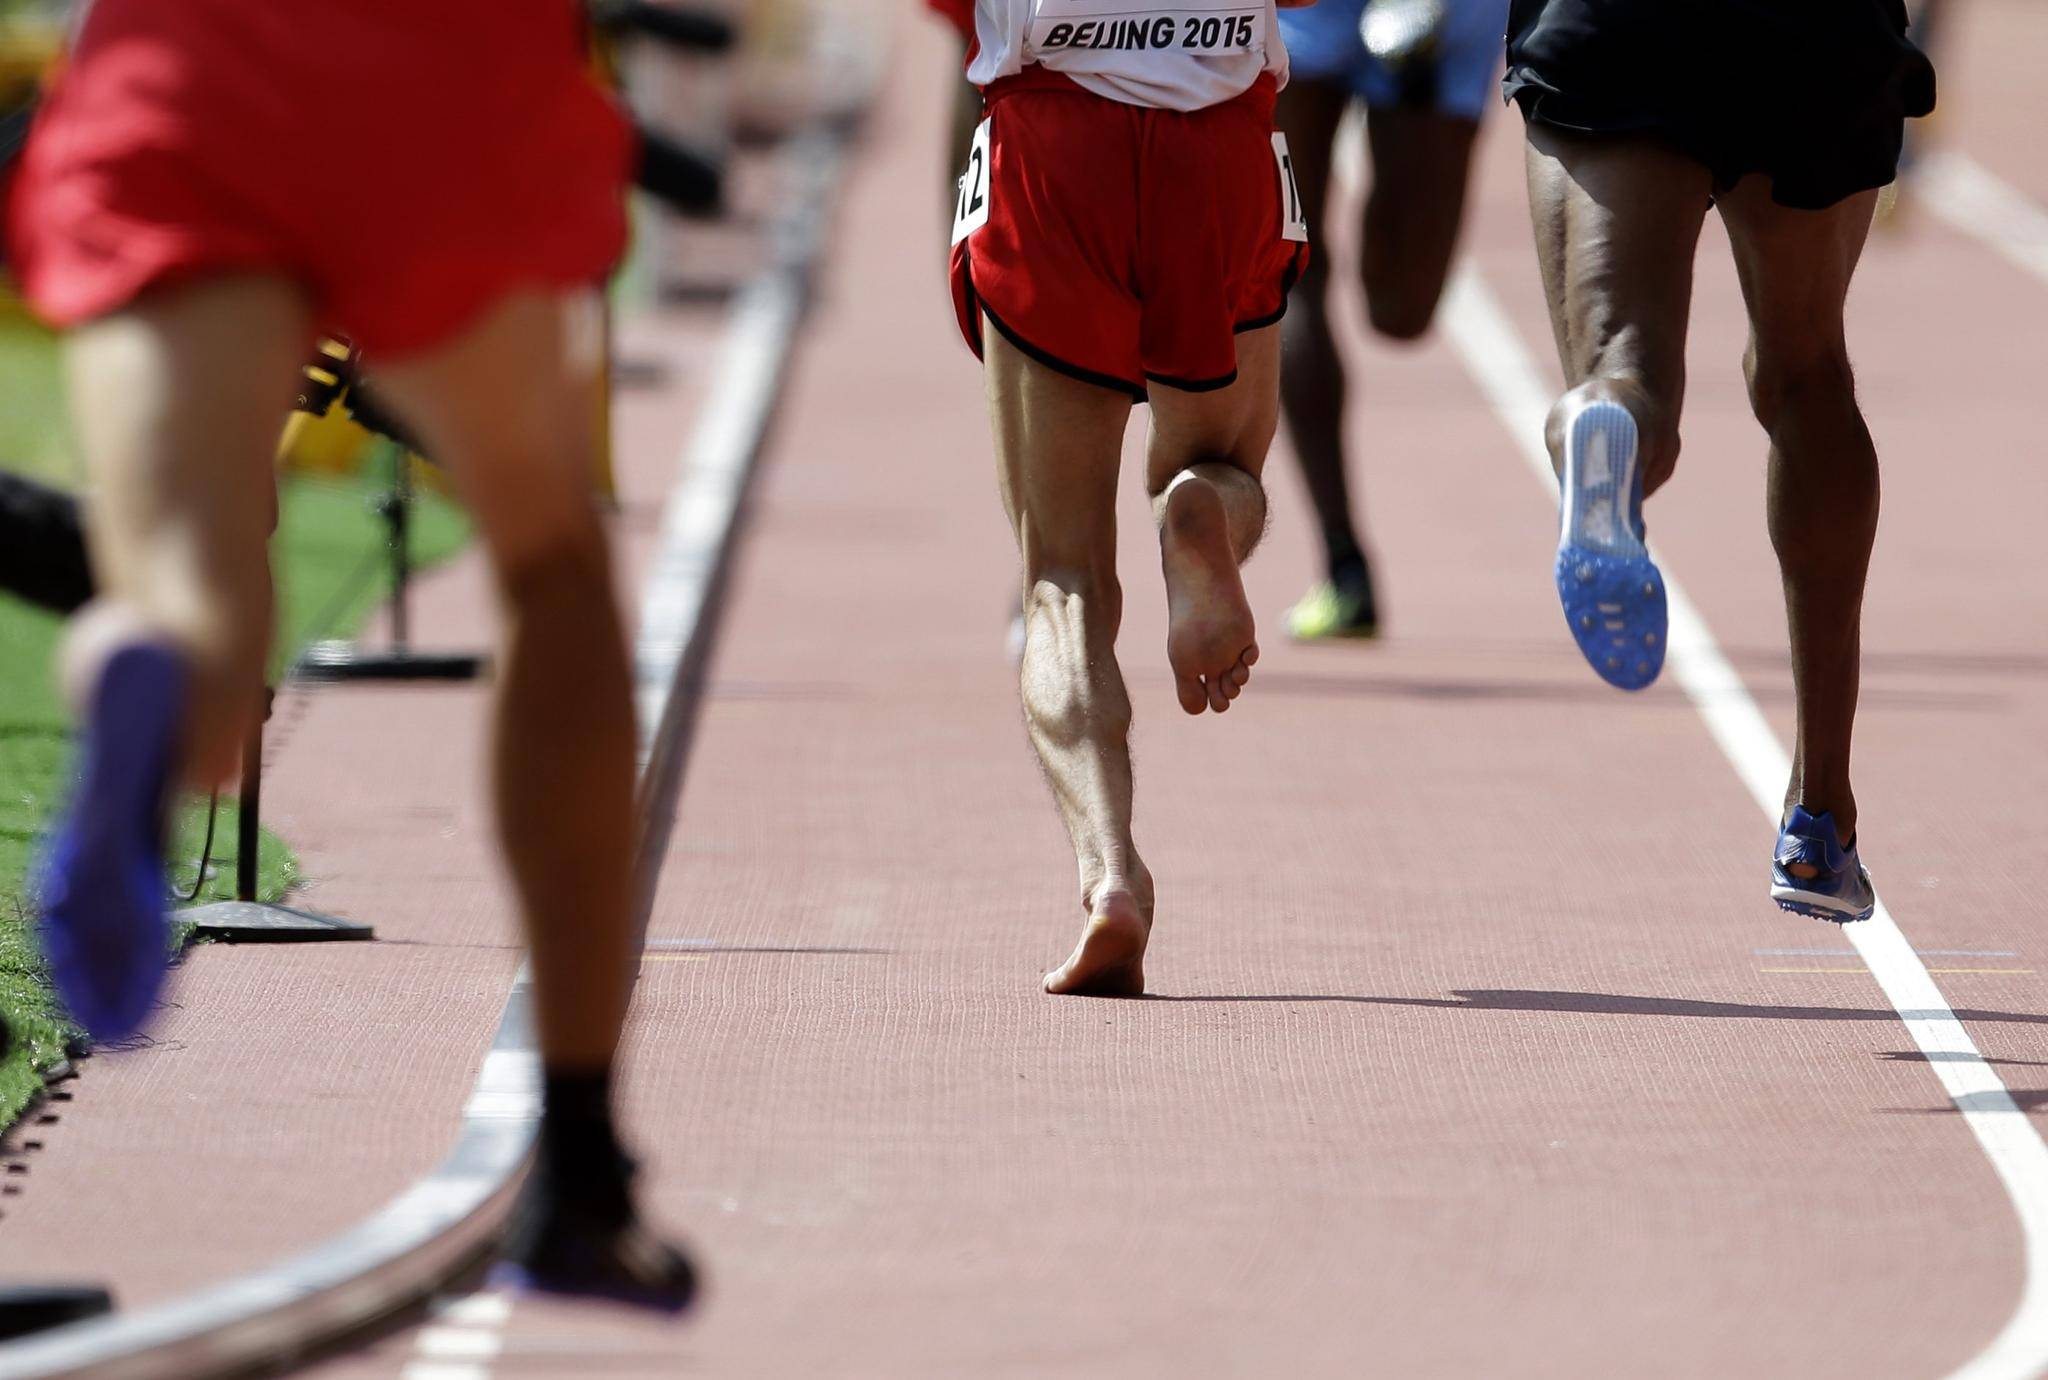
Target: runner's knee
[1785, 387]
[1399, 302]
[1398, 314]
[563, 554]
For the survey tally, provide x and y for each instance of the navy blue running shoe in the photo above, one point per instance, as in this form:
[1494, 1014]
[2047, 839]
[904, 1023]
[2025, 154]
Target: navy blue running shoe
[1840, 889]
[1612, 592]
[102, 878]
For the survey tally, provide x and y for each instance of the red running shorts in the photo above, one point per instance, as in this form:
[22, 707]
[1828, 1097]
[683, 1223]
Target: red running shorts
[1124, 245]
[407, 161]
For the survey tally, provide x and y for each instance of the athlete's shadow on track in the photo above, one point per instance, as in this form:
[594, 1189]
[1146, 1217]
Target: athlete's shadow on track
[1611, 1004]
[1881, 662]
[1378, 685]
[2026, 1099]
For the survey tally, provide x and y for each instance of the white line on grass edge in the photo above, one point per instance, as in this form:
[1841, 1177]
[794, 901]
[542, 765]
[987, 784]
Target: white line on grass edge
[1494, 353]
[437, 1227]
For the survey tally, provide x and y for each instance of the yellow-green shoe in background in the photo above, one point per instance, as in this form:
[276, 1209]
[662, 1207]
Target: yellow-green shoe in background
[1331, 611]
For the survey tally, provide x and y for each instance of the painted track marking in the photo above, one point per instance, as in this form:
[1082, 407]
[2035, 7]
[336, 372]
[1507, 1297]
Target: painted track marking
[1865, 970]
[1924, 953]
[1499, 361]
[1976, 202]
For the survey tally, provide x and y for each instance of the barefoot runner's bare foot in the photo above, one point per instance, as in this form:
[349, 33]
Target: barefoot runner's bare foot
[1110, 959]
[1210, 634]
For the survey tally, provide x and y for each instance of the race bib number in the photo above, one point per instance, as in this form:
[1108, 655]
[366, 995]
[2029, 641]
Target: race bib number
[1293, 221]
[1137, 26]
[970, 207]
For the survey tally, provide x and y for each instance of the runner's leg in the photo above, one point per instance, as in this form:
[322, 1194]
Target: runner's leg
[1420, 162]
[1313, 384]
[1795, 268]
[1203, 460]
[507, 406]
[178, 399]
[1617, 222]
[1058, 446]
[177, 402]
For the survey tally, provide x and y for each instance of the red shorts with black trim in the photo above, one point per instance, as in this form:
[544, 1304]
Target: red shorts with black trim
[1125, 245]
[958, 13]
[408, 163]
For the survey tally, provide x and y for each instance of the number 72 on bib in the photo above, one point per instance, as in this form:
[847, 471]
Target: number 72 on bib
[970, 208]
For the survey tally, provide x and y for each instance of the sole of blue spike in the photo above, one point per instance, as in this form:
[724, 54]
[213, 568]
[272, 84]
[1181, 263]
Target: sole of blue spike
[1818, 907]
[1611, 591]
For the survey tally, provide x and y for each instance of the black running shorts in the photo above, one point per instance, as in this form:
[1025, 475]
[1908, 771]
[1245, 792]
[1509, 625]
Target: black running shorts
[1814, 94]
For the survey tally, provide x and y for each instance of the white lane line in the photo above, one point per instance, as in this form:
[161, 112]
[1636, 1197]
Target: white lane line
[1519, 395]
[442, 1370]
[488, 1309]
[458, 1343]
[1976, 202]
[467, 1332]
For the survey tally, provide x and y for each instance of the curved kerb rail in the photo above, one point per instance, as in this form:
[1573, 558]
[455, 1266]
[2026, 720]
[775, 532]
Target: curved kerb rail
[444, 1224]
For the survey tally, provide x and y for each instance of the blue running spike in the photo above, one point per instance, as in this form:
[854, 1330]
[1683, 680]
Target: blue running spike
[102, 878]
[1612, 592]
[1840, 891]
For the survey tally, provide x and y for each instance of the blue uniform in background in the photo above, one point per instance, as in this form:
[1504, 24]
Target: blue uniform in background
[1460, 78]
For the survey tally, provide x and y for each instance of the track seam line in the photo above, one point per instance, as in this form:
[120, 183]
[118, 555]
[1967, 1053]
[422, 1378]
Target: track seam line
[1497, 358]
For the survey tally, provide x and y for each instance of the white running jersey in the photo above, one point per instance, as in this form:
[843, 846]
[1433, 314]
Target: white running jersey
[1170, 54]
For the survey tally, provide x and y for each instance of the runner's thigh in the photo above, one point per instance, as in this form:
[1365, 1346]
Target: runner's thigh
[1795, 265]
[1234, 424]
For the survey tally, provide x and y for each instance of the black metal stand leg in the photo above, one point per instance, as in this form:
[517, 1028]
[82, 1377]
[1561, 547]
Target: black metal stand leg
[246, 920]
[346, 661]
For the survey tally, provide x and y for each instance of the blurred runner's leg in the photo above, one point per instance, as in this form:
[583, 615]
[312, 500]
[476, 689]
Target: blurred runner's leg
[1313, 385]
[562, 759]
[177, 400]
[1422, 75]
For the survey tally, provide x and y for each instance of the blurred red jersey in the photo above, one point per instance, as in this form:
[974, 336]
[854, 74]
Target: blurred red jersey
[407, 163]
